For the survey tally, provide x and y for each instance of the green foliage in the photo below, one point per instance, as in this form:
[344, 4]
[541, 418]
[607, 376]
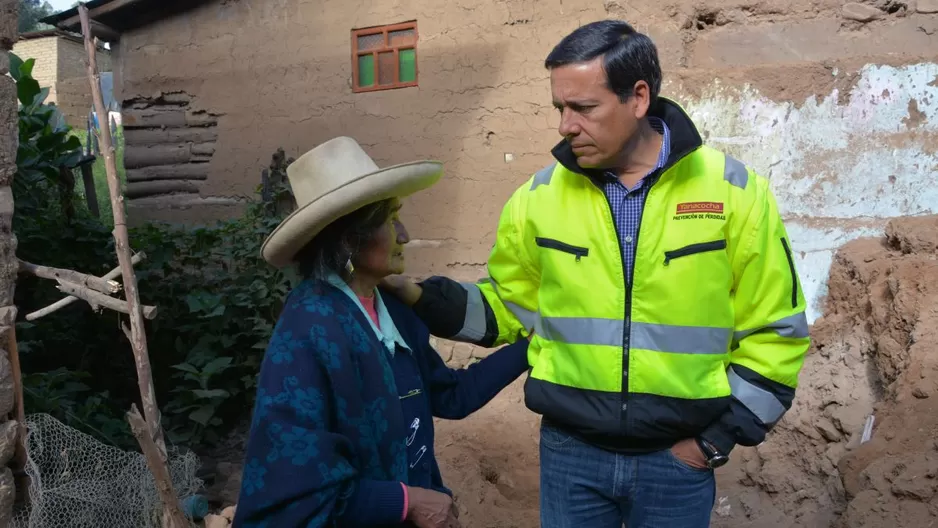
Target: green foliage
[218, 301]
[45, 144]
[30, 12]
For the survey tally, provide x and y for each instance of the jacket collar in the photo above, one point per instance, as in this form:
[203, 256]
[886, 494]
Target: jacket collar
[387, 333]
[684, 137]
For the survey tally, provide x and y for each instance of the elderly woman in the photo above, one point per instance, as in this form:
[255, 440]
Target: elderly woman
[342, 432]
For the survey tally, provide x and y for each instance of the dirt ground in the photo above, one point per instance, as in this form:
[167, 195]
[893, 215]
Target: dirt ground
[875, 352]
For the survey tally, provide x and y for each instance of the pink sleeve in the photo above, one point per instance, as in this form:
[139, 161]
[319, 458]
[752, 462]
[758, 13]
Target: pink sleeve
[406, 503]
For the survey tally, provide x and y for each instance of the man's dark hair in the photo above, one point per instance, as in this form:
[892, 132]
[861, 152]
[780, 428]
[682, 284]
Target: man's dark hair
[628, 56]
[342, 240]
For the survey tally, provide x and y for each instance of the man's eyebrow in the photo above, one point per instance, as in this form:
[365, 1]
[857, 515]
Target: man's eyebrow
[576, 102]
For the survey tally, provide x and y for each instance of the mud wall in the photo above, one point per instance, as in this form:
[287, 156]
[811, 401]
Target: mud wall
[835, 102]
[8, 266]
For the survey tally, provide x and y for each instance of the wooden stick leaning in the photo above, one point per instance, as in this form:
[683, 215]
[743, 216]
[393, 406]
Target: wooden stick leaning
[20, 478]
[155, 451]
[62, 303]
[164, 481]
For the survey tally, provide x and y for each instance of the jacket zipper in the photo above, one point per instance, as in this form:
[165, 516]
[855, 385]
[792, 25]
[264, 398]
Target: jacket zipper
[693, 249]
[550, 243]
[627, 344]
[628, 303]
[791, 268]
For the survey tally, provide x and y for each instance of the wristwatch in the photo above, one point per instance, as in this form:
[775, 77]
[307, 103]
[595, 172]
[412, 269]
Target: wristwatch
[715, 459]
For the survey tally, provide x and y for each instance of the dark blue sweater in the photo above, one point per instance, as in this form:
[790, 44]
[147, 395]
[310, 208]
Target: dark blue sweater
[339, 423]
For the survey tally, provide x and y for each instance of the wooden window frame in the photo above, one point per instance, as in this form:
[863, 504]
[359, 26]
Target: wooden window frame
[384, 30]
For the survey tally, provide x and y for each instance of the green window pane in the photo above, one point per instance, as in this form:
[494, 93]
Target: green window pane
[366, 70]
[407, 66]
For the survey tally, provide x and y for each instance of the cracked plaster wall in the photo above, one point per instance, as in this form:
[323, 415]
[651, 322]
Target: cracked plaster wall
[838, 105]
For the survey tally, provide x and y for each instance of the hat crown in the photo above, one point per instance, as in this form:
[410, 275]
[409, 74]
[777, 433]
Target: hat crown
[328, 167]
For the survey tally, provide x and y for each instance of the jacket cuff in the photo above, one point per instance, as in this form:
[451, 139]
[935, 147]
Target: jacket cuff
[719, 437]
[375, 503]
[441, 306]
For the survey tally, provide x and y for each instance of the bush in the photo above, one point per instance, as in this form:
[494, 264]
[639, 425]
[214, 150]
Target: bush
[217, 300]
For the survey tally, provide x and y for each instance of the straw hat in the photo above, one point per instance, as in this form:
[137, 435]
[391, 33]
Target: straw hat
[332, 180]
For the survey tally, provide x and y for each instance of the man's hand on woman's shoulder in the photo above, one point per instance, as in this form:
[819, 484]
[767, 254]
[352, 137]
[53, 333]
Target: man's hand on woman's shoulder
[431, 509]
[403, 288]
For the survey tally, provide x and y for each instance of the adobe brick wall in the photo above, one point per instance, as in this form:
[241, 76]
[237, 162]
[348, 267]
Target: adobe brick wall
[60, 66]
[71, 60]
[46, 52]
[8, 145]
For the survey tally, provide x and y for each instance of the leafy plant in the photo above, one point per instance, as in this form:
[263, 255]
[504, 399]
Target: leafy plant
[218, 301]
[47, 150]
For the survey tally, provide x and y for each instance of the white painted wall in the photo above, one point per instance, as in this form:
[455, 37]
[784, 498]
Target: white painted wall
[830, 164]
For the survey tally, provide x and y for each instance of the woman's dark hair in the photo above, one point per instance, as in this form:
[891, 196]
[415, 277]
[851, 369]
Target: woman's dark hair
[628, 56]
[342, 240]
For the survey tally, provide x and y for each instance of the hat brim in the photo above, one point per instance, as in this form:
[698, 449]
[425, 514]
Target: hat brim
[296, 230]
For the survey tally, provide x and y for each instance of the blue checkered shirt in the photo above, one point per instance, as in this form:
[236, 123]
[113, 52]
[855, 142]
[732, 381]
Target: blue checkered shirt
[627, 203]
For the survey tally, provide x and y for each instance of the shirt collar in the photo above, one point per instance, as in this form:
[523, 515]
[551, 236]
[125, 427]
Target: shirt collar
[387, 333]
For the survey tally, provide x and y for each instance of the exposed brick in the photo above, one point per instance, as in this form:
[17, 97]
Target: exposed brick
[927, 6]
[860, 12]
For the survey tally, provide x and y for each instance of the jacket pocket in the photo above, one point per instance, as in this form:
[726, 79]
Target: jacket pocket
[791, 269]
[693, 249]
[550, 243]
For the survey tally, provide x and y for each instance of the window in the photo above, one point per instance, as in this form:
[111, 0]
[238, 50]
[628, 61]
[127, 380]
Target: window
[384, 57]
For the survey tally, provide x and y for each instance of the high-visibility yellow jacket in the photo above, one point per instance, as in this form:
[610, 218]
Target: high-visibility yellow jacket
[706, 339]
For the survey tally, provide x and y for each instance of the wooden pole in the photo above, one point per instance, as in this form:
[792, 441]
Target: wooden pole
[91, 195]
[19, 454]
[173, 517]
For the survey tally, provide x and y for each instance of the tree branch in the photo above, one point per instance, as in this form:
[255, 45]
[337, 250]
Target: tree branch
[99, 300]
[88, 281]
[62, 303]
[172, 515]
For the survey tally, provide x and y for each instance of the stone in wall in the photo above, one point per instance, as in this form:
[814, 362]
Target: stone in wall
[8, 146]
[168, 145]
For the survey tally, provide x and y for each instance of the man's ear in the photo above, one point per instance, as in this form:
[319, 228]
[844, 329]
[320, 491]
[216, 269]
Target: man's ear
[641, 99]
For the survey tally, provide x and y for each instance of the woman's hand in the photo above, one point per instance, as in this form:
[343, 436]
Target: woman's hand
[431, 509]
[402, 288]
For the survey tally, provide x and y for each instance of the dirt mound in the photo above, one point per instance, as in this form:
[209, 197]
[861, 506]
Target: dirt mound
[893, 289]
[874, 353]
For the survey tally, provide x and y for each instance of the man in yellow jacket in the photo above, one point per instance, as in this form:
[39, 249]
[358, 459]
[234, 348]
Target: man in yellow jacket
[656, 281]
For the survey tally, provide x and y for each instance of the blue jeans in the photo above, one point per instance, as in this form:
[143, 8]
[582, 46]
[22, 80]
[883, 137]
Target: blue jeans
[582, 486]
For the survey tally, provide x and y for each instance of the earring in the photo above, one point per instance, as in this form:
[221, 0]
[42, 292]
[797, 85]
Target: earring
[349, 268]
